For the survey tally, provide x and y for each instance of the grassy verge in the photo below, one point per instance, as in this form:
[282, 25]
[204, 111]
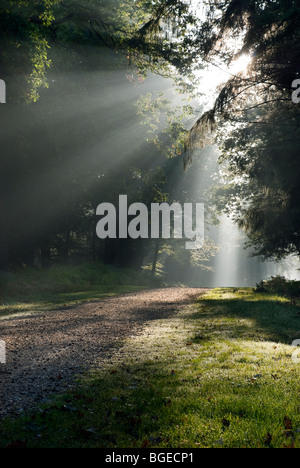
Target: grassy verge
[30, 290]
[218, 374]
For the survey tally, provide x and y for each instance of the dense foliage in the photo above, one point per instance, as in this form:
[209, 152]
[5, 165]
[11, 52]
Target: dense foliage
[280, 285]
[256, 121]
[71, 133]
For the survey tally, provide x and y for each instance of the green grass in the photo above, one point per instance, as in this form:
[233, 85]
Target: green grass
[31, 290]
[218, 374]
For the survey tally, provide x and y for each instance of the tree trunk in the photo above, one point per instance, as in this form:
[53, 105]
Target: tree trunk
[155, 258]
[45, 255]
[66, 248]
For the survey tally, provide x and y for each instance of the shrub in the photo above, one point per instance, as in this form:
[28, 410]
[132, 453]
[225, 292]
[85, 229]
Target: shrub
[280, 285]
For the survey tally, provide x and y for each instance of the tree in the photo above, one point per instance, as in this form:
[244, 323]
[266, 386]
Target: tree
[256, 124]
[259, 186]
[44, 40]
[57, 166]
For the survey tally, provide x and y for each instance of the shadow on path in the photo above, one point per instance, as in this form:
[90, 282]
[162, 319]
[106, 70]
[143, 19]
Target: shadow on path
[45, 352]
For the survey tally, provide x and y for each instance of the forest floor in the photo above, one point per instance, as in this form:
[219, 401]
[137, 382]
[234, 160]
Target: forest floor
[175, 368]
[46, 350]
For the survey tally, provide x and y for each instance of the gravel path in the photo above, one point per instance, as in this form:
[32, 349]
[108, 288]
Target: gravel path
[46, 351]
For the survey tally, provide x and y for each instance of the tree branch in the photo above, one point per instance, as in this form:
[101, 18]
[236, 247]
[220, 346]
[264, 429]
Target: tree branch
[65, 19]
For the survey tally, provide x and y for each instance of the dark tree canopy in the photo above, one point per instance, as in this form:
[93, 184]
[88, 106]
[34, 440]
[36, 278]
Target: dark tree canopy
[48, 45]
[71, 135]
[255, 121]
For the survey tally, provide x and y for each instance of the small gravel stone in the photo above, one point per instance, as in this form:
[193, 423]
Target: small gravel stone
[46, 352]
